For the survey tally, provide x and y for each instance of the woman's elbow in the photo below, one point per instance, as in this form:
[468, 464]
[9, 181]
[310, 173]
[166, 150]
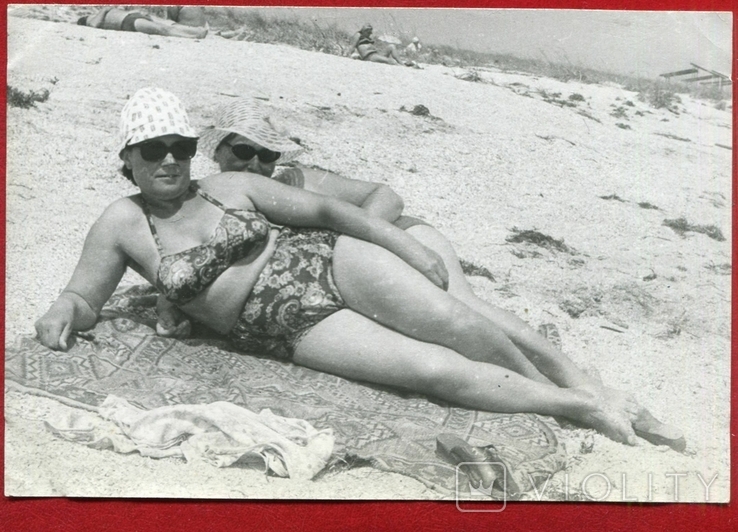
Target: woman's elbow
[393, 199]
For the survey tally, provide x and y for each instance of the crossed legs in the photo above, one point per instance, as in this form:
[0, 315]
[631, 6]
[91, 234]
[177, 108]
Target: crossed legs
[406, 332]
[545, 356]
[356, 347]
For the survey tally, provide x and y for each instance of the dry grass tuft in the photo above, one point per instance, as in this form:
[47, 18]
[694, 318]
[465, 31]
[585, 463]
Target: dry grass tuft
[681, 226]
[539, 239]
[25, 100]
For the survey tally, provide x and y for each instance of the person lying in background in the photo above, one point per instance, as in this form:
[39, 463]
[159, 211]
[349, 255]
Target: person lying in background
[113, 18]
[192, 16]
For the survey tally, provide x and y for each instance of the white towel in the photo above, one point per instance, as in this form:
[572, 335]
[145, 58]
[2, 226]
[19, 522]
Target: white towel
[219, 433]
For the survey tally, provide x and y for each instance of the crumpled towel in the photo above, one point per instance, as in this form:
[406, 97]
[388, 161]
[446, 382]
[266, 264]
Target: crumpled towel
[219, 433]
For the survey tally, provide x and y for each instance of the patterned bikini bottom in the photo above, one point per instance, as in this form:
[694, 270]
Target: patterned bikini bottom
[294, 292]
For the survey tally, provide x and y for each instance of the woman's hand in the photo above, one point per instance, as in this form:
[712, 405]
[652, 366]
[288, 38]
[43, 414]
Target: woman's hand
[54, 327]
[171, 322]
[430, 264]
[220, 304]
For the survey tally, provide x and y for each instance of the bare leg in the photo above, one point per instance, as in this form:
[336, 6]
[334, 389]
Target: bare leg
[355, 347]
[379, 58]
[544, 355]
[381, 286]
[169, 30]
[393, 54]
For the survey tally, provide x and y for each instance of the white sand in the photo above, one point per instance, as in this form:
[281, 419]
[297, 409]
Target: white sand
[497, 157]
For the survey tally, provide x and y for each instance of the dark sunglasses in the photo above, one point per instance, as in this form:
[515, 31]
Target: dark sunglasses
[246, 153]
[156, 150]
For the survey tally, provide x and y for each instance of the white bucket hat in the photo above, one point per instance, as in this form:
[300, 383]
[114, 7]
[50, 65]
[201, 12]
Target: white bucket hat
[247, 118]
[152, 112]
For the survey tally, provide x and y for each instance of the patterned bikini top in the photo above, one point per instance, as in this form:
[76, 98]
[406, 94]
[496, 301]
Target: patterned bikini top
[183, 275]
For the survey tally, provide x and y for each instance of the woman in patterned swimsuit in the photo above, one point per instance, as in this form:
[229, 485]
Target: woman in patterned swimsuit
[370, 308]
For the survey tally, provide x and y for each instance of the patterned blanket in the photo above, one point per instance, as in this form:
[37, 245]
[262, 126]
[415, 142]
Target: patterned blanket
[390, 430]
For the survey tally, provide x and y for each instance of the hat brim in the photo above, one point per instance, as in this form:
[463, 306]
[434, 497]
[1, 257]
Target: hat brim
[211, 138]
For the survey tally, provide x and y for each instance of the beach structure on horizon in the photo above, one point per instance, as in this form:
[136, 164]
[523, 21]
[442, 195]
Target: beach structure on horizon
[711, 78]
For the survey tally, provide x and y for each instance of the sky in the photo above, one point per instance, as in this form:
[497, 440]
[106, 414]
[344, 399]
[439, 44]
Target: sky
[637, 43]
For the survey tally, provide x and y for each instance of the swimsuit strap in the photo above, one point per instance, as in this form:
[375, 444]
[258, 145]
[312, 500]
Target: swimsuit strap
[147, 212]
[150, 220]
[194, 186]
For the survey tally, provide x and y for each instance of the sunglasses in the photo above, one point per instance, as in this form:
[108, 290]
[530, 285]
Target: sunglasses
[156, 150]
[246, 153]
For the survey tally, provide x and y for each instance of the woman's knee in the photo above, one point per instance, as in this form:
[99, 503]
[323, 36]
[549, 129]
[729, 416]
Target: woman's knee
[446, 376]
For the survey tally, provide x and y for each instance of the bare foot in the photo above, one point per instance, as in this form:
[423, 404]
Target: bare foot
[615, 399]
[610, 421]
[651, 429]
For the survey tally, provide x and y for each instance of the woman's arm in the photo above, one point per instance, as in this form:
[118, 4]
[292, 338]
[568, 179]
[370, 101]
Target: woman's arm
[220, 304]
[98, 272]
[375, 198]
[287, 205]
[352, 43]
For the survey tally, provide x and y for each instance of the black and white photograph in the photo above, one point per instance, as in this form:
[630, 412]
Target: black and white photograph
[480, 255]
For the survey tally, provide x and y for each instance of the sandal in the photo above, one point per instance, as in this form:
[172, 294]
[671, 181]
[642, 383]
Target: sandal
[654, 431]
[457, 451]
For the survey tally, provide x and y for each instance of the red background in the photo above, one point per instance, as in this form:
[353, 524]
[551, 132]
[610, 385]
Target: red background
[62, 514]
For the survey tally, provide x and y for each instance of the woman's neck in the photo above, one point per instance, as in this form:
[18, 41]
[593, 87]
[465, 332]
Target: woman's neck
[163, 208]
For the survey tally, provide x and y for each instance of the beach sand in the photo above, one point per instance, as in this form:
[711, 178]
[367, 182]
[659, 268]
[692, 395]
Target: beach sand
[647, 307]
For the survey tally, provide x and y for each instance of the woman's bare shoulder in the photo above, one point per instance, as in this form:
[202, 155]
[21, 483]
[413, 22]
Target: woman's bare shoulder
[231, 188]
[123, 210]
[236, 183]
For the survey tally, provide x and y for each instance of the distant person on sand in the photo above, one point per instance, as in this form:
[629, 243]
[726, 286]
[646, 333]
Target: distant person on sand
[364, 45]
[187, 16]
[413, 49]
[113, 18]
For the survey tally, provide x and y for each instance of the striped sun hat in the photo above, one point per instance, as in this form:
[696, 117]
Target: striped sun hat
[247, 118]
[152, 112]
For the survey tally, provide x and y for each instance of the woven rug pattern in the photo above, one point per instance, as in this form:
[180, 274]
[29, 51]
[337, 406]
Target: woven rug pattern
[393, 431]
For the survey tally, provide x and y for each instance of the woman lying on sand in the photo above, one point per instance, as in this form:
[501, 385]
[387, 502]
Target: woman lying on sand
[367, 49]
[368, 308]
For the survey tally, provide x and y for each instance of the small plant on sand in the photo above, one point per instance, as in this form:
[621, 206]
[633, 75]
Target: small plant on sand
[619, 112]
[576, 97]
[613, 197]
[538, 239]
[25, 100]
[469, 268]
[674, 327]
[585, 114]
[720, 269]
[646, 205]
[472, 75]
[660, 97]
[681, 226]
[672, 137]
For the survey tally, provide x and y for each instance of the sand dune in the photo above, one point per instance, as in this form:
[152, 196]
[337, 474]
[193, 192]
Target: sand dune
[587, 164]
